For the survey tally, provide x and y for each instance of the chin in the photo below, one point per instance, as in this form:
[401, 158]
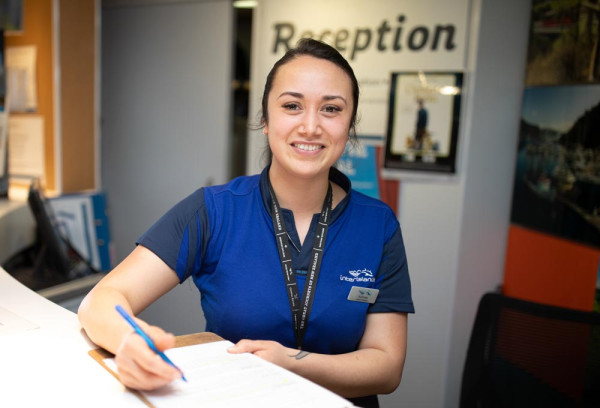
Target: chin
[310, 171]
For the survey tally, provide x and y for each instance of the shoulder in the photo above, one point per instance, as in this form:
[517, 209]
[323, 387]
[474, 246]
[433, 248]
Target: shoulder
[371, 204]
[242, 185]
[240, 193]
[198, 201]
[377, 213]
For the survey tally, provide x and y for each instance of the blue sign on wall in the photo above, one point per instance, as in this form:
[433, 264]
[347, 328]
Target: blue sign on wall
[360, 165]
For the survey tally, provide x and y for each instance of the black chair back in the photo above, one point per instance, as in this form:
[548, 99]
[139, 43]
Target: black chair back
[525, 354]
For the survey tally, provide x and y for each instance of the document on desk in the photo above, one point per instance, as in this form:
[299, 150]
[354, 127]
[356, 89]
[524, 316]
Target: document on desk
[219, 379]
[13, 323]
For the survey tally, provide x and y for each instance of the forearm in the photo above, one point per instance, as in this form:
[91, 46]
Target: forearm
[99, 319]
[375, 368]
[360, 373]
[97, 312]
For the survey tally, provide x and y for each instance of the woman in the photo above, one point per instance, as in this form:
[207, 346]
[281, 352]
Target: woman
[237, 241]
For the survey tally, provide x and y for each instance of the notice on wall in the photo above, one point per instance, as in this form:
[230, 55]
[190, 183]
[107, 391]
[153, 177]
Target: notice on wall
[377, 37]
[26, 146]
[21, 78]
[3, 141]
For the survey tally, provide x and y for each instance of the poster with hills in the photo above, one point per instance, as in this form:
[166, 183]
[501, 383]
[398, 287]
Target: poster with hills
[557, 178]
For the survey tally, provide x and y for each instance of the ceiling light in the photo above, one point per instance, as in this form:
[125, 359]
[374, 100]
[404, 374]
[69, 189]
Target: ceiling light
[245, 4]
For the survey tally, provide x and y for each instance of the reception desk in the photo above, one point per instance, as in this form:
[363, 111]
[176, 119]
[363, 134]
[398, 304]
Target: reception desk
[44, 356]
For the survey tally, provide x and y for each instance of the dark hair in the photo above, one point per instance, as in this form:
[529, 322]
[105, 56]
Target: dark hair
[316, 49]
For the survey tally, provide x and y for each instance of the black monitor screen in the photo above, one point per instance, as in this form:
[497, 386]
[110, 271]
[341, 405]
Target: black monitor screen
[53, 249]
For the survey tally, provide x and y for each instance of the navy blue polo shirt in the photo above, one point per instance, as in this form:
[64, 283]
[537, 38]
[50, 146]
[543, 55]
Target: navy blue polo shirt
[223, 238]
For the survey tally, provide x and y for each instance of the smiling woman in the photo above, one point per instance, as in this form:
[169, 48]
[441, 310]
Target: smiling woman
[308, 125]
[315, 266]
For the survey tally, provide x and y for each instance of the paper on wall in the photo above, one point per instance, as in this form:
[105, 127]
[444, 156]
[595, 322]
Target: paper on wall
[21, 78]
[26, 146]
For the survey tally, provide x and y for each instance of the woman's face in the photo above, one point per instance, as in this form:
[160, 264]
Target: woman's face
[309, 111]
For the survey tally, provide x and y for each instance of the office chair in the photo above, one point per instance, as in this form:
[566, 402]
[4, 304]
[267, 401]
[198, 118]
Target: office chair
[525, 354]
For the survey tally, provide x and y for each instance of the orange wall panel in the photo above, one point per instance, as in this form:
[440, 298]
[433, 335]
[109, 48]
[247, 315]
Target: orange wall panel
[546, 269]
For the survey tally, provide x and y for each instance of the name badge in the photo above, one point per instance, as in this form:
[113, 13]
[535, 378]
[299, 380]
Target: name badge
[360, 294]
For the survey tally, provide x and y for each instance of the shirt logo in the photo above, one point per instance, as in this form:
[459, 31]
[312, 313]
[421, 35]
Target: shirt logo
[358, 275]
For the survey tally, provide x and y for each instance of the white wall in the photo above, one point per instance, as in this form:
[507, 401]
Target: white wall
[496, 95]
[166, 85]
[456, 231]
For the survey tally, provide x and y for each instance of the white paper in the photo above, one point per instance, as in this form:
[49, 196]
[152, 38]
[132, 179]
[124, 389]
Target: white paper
[219, 379]
[26, 146]
[3, 139]
[12, 323]
[21, 78]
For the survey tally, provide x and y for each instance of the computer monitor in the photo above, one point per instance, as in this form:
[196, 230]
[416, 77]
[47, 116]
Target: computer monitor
[52, 248]
[51, 260]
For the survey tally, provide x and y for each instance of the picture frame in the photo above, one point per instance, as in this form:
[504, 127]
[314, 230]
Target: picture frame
[423, 121]
[11, 17]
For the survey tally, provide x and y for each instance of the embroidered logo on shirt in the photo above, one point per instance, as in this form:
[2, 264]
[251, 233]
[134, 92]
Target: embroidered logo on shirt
[359, 275]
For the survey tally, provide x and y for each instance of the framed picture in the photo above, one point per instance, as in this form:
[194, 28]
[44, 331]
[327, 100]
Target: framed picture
[11, 16]
[423, 121]
[563, 43]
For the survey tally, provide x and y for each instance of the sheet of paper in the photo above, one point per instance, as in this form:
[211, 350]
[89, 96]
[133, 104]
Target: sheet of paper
[26, 146]
[3, 140]
[218, 379]
[21, 78]
[12, 323]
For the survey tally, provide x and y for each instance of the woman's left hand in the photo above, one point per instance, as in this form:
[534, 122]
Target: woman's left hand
[271, 351]
[374, 368]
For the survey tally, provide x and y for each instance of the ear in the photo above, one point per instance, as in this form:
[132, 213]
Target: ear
[265, 129]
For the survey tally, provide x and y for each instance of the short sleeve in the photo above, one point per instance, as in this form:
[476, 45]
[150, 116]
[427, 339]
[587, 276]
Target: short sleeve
[179, 237]
[395, 294]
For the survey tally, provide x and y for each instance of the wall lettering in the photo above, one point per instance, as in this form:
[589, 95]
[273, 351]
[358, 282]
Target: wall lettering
[382, 38]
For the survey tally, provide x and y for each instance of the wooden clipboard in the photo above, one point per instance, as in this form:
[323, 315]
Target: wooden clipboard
[100, 355]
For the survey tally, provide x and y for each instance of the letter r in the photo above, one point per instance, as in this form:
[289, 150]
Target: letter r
[281, 29]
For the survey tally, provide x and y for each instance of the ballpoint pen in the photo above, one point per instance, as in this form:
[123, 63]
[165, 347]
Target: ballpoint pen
[147, 338]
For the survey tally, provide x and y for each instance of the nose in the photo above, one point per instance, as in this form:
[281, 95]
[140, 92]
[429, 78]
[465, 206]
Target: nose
[311, 124]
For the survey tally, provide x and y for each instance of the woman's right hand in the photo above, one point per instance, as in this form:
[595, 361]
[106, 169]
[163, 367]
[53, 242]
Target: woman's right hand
[141, 368]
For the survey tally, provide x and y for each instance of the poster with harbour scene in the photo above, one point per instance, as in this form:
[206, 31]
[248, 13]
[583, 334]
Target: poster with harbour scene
[557, 177]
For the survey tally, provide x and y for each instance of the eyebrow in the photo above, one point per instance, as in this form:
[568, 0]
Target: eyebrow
[326, 97]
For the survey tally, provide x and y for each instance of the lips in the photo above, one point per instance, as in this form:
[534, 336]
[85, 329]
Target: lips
[307, 147]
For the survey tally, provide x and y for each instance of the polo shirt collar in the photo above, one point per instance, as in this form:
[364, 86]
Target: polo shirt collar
[335, 176]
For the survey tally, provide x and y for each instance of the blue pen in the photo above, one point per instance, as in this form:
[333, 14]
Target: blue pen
[147, 338]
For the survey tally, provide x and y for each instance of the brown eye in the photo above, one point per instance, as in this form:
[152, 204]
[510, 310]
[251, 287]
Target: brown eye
[332, 109]
[291, 106]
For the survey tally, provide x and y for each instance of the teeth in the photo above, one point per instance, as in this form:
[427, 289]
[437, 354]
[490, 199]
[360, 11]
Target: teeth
[307, 147]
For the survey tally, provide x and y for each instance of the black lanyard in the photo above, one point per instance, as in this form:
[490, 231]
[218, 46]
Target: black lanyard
[300, 308]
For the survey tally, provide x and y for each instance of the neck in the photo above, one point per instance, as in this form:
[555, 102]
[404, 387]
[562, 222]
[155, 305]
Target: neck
[301, 196]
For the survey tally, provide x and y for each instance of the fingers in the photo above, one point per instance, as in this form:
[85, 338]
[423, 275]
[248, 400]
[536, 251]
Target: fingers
[162, 340]
[271, 351]
[249, 346]
[141, 368]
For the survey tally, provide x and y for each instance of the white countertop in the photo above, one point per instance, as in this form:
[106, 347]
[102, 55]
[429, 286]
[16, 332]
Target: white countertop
[44, 357]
